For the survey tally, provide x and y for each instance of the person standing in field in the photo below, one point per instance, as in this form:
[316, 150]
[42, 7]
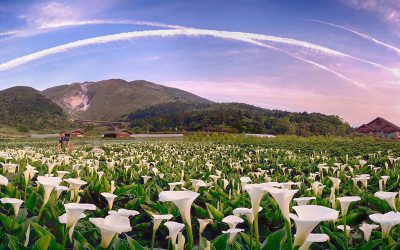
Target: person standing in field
[64, 143]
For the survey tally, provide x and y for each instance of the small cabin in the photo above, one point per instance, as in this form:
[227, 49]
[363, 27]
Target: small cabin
[77, 133]
[123, 133]
[381, 128]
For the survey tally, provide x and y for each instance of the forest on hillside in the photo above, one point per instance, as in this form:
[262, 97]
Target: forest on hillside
[235, 118]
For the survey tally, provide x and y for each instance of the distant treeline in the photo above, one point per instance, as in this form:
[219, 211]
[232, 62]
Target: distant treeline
[235, 118]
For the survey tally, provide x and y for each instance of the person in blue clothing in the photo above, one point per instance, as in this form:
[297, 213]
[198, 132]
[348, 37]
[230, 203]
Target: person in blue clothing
[63, 143]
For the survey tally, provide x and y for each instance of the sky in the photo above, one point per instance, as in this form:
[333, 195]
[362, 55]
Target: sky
[339, 57]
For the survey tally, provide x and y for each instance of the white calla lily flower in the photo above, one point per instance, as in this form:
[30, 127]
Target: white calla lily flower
[110, 199]
[367, 230]
[232, 221]
[110, 226]
[283, 197]
[389, 197]
[183, 200]
[203, 223]
[16, 203]
[302, 201]
[346, 201]
[174, 228]
[232, 233]
[314, 238]
[387, 221]
[308, 217]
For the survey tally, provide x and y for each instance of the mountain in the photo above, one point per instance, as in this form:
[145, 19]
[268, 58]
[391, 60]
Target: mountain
[235, 117]
[27, 108]
[152, 107]
[114, 99]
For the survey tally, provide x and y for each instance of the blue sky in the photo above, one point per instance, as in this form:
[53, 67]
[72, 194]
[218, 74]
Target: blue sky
[331, 56]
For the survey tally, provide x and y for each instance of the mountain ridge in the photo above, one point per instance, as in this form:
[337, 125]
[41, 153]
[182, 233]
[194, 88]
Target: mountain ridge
[115, 99]
[152, 107]
[28, 109]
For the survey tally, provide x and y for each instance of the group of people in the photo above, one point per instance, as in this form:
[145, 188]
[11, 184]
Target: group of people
[64, 143]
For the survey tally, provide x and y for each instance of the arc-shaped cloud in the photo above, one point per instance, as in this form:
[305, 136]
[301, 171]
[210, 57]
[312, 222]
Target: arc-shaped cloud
[65, 24]
[239, 36]
[52, 25]
[365, 36]
[261, 37]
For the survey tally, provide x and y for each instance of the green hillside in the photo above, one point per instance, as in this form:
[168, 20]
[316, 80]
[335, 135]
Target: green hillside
[236, 117]
[28, 109]
[114, 99]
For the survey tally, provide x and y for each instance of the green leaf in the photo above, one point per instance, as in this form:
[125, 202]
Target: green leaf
[215, 213]
[124, 189]
[199, 211]
[13, 243]
[8, 222]
[371, 245]
[236, 245]
[40, 231]
[106, 185]
[78, 245]
[31, 202]
[203, 243]
[146, 227]
[246, 238]
[274, 240]
[221, 242]
[335, 238]
[134, 244]
[43, 243]
[82, 240]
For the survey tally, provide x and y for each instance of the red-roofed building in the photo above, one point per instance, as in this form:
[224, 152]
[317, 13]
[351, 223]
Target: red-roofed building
[123, 133]
[380, 128]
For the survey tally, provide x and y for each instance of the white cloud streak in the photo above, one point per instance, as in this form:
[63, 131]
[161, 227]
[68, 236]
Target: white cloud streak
[62, 24]
[318, 65]
[239, 36]
[365, 36]
[51, 25]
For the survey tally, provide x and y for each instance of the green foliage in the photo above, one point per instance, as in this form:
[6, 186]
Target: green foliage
[28, 109]
[234, 155]
[235, 118]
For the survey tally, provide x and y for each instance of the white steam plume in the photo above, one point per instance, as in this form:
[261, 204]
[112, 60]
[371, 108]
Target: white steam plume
[365, 36]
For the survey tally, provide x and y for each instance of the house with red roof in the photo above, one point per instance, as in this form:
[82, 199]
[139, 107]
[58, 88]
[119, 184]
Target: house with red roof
[381, 128]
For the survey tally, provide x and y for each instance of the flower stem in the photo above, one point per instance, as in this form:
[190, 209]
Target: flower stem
[251, 236]
[256, 233]
[346, 240]
[383, 243]
[289, 235]
[199, 242]
[153, 236]
[64, 242]
[190, 236]
[13, 223]
[41, 211]
[26, 189]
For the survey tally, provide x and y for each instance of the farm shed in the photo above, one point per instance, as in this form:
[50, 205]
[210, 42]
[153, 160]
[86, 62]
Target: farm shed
[380, 127]
[77, 133]
[123, 133]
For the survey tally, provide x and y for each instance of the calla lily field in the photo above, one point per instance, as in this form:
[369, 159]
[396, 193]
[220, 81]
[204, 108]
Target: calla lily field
[201, 194]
